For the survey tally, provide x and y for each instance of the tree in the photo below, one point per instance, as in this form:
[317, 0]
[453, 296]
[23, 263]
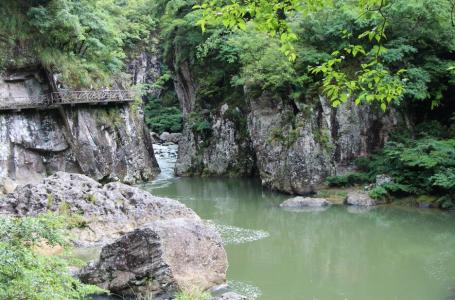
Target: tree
[371, 81]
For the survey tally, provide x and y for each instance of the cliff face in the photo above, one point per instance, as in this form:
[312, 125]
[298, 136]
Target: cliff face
[291, 146]
[105, 142]
[223, 151]
[297, 149]
[222, 148]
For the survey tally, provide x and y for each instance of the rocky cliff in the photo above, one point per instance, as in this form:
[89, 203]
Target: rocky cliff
[104, 142]
[292, 146]
[214, 142]
[298, 147]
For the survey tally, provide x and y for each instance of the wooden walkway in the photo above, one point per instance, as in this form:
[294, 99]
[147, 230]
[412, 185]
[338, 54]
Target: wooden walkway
[58, 99]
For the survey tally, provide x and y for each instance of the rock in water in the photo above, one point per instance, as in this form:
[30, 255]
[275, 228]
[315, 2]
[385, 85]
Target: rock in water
[108, 211]
[301, 202]
[360, 199]
[159, 259]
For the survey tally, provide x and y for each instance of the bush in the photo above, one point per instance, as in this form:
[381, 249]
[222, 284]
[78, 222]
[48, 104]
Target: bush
[162, 118]
[420, 165]
[348, 180]
[199, 124]
[26, 274]
[192, 294]
[379, 193]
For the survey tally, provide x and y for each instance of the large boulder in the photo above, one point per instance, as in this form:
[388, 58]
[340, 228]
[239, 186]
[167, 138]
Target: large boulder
[106, 212]
[360, 199]
[302, 202]
[160, 259]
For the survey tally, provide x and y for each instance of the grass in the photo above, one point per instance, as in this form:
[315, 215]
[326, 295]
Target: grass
[192, 294]
[334, 195]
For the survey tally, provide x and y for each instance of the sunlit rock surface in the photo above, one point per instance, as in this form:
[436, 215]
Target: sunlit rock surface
[159, 259]
[104, 142]
[107, 211]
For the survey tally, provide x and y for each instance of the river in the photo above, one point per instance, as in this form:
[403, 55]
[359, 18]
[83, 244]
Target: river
[339, 253]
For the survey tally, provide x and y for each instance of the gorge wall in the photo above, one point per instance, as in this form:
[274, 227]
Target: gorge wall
[105, 142]
[291, 146]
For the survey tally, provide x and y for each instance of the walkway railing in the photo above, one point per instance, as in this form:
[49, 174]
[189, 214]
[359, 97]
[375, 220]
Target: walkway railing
[65, 97]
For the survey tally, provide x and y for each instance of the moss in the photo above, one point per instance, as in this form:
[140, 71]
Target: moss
[90, 198]
[64, 208]
[76, 221]
[323, 138]
[285, 137]
[109, 117]
[50, 200]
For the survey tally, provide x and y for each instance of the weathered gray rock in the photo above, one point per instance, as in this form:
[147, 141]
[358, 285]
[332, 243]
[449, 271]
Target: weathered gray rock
[146, 68]
[383, 179]
[8, 186]
[295, 156]
[292, 146]
[301, 202]
[107, 211]
[167, 137]
[174, 137]
[164, 136]
[229, 296]
[155, 137]
[159, 259]
[104, 142]
[225, 152]
[360, 199]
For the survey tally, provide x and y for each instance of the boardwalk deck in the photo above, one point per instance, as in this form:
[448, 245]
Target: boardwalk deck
[61, 98]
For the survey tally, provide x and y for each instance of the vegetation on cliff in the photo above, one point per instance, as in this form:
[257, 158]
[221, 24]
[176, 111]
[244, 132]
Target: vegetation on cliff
[84, 41]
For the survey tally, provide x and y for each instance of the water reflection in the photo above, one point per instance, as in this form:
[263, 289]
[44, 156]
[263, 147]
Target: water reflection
[339, 253]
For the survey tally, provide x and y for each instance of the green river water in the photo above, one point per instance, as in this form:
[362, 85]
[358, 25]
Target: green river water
[344, 253]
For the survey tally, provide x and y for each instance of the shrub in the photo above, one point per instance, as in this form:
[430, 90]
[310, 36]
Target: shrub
[199, 124]
[26, 274]
[162, 118]
[420, 165]
[192, 294]
[348, 180]
[379, 193]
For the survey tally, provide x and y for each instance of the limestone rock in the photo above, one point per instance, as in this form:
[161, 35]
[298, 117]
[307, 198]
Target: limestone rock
[155, 137]
[108, 211]
[104, 142]
[291, 146]
[360, 199]
[164, 136]
[159, 259]
[8, 186]
[229, 296]
[324, 142]
[225, 152]
[383, 179]
[167, 137]
[301, 202]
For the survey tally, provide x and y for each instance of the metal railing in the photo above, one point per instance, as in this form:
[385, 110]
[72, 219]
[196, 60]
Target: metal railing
[65, 97]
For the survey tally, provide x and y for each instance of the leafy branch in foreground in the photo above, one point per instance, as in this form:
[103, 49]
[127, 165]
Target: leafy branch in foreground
[372, 82]
[26, 274]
